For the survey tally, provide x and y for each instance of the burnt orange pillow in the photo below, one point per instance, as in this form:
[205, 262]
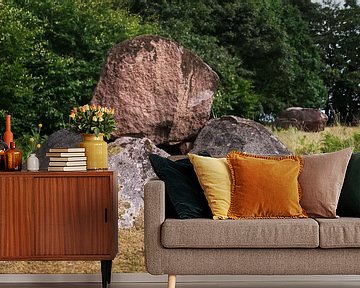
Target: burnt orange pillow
[264, 186]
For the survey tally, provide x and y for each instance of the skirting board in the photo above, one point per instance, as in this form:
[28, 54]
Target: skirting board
[147, 278]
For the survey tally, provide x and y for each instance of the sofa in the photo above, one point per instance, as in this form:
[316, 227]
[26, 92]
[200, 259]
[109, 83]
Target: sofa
[282, 246]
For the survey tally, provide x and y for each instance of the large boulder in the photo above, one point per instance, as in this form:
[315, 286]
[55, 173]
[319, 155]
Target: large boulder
[129, 157]
[159, 89]
[59, 139]
[223, 135]
[305, 119]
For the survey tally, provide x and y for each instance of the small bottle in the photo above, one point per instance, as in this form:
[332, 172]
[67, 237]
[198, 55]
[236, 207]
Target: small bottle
[3, 148]
[13, 158]
[8, 135]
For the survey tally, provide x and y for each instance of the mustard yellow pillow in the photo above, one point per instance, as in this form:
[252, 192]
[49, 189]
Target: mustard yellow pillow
[264, 186]
[215, 179]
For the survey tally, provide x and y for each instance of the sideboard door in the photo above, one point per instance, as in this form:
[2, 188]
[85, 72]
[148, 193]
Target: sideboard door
[16, 218]
[73, 217]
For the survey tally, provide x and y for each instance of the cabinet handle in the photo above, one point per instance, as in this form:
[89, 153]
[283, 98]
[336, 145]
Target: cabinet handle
[106, 216]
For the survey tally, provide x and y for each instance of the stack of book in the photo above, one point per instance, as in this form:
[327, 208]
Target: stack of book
[67, 159]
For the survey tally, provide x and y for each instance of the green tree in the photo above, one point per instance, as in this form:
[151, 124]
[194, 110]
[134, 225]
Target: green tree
[306, 87]
[337, 32]
[19, 31]
[275, 44]
[63, 46]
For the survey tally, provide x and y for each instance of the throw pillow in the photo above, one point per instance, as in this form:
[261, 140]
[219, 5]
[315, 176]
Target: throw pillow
[215, 179]
[349, 202]
[183, 191]
[264, 186]
[321, 181]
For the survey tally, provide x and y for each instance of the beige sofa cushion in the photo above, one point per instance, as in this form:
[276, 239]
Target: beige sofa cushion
[250, 233]
[339, 233]
[321, 181]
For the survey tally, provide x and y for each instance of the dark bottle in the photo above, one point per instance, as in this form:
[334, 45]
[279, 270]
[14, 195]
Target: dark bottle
[13, 158]
[3, 148]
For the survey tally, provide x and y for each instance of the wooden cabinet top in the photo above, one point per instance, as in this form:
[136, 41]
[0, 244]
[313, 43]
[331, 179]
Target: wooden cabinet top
[45, 173]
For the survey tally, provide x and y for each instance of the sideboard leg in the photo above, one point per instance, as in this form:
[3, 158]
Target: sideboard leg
[109, 271]
[171, 281]
[105, 272]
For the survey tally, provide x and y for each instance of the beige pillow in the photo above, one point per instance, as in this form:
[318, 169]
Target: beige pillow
[321, 181]
[215, 179]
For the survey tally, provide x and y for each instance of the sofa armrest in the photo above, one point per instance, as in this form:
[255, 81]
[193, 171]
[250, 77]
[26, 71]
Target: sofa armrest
[154, 216]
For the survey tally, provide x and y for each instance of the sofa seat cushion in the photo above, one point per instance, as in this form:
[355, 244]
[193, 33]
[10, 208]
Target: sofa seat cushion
[343, 232]
[249, 233]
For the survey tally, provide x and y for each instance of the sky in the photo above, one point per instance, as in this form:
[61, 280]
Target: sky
[338, 1]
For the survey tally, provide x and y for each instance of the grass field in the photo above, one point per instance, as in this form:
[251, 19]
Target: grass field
[300, 142]
[131, 248]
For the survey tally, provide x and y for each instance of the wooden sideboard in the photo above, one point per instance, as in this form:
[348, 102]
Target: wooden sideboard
[59, 216]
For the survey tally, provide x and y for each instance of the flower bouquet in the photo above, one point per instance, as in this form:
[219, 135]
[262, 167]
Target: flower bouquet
[93, 122]
[92, 119]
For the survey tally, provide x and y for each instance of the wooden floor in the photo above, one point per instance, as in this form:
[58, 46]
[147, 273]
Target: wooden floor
[145, 280]
[191, 285]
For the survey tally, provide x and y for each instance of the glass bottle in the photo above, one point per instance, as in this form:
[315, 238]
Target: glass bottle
[13, 158]
[3, 148]
[8, 135]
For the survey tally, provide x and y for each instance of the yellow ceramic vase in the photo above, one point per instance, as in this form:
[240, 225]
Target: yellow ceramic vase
[95, 151]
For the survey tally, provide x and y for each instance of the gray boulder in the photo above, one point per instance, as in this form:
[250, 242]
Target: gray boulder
[305, 119]
[129, 157]
[222, 135]
[159, 89]
[59, 139]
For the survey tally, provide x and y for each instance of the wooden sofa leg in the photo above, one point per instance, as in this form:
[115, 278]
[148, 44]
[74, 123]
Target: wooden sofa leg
[171, 281]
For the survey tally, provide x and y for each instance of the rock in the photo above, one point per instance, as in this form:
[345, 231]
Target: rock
[177, 149]
[306, 119]
[223, 135]
[186, 147]
[129, 157]
[159, 89]
[59, 139]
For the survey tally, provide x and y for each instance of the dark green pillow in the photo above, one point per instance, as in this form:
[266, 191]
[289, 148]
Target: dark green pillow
[182, 188]
[349, 202]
